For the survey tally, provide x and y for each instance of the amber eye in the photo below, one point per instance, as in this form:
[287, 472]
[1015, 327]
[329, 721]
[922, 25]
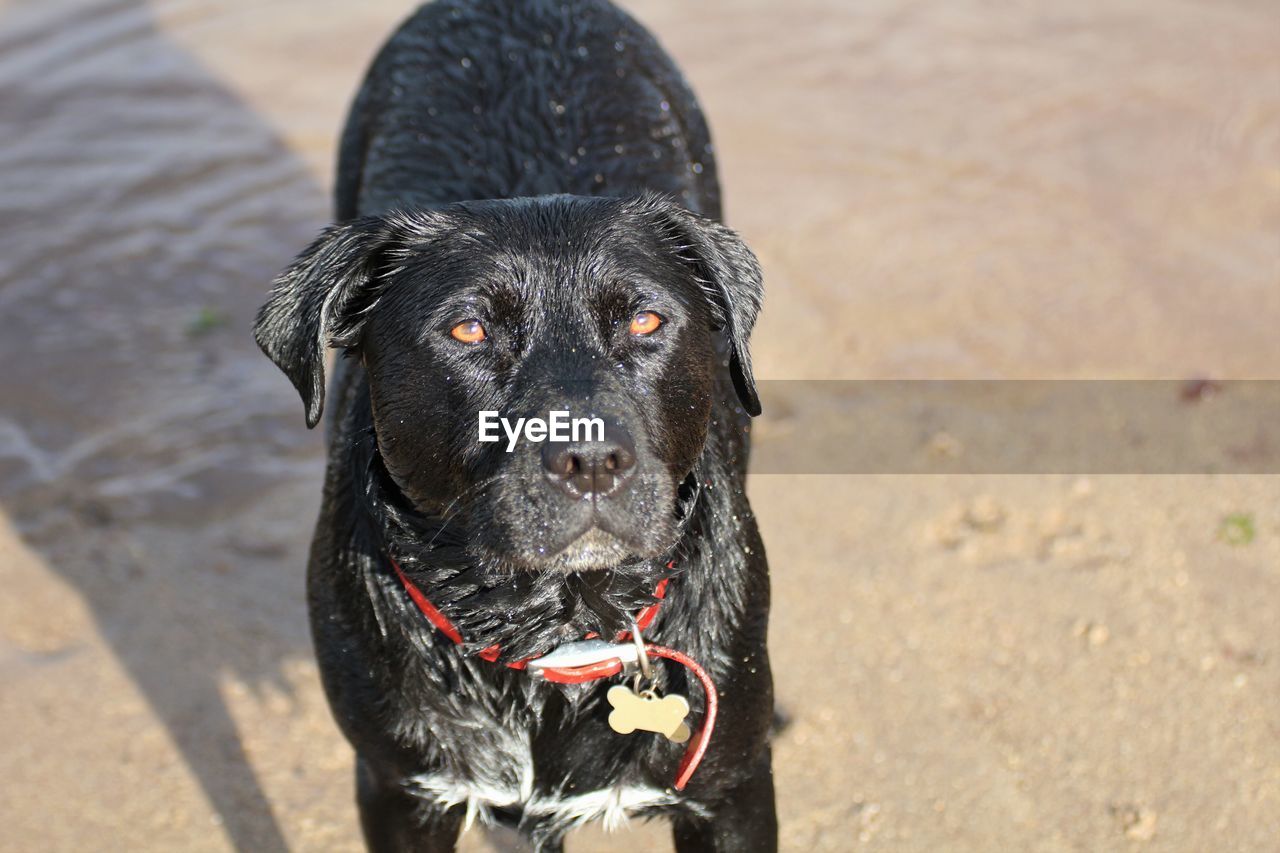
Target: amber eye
[468, 331]
[645, 323]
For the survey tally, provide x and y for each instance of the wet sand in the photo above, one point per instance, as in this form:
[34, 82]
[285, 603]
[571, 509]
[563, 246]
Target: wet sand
[944, 190]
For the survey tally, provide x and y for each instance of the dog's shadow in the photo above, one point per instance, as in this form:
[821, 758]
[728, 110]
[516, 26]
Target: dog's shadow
[148, 454]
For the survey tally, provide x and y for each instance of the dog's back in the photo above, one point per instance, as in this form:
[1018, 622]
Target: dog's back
[474, 99]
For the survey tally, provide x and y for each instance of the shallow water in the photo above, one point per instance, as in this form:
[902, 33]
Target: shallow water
[936, 192]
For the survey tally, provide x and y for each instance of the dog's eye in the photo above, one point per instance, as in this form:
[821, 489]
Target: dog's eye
[645, 323]
[468, 332]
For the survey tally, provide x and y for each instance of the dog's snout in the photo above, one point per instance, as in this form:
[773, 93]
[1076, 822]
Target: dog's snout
[596, 468]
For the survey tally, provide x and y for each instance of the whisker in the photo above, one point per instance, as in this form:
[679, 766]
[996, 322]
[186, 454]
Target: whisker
[468, 493]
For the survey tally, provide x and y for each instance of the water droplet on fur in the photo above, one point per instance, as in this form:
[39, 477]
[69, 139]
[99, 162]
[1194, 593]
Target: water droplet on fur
[666, 107]
[466, 61]
[696, 168]
[618, 149]
[599, 179]
[582, 50]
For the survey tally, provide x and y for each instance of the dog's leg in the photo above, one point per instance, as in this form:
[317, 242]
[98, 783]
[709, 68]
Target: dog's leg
[745, 820]
[395, 821]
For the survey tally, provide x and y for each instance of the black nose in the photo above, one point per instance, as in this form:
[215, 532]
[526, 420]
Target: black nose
[599, 468]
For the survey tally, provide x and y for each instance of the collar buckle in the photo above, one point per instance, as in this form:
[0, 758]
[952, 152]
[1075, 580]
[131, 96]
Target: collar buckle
[585, 653]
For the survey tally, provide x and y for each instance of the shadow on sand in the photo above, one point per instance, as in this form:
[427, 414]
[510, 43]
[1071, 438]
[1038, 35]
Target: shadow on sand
[148, 453]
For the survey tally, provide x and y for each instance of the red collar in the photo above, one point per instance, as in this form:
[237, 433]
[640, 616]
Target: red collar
[591, 659]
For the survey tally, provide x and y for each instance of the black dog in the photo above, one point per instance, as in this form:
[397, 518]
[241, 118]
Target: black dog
[529, 200]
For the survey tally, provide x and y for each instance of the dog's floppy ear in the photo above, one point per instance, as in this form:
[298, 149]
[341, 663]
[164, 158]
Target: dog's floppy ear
[318, 301]
[729, 274]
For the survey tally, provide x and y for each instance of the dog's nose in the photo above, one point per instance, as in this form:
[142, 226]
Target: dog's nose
[599, 468]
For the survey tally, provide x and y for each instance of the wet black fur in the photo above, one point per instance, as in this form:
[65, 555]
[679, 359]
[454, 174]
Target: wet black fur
[545, 165]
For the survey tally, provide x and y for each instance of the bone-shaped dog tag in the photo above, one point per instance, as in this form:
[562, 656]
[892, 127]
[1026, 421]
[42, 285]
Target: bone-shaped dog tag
[648, 712]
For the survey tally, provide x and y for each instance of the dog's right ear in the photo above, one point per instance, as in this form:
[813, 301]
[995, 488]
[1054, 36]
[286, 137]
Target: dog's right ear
[320, 300]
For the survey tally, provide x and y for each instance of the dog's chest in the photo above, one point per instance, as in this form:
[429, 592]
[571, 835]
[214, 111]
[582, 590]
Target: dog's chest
[490, 764]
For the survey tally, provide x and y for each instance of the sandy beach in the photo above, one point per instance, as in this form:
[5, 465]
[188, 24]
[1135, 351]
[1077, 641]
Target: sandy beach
[947, 190]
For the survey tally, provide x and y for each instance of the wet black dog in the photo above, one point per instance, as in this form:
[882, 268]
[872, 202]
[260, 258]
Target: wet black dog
[528, 205]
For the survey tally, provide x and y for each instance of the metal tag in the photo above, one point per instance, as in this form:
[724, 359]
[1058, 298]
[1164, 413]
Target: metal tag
[648, 712]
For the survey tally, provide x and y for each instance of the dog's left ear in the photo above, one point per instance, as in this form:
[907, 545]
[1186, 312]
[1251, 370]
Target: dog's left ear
[729, 274]
[320, 300]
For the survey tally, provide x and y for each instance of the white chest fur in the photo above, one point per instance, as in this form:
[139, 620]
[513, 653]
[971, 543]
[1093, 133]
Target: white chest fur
[612, 806]
[505, 779]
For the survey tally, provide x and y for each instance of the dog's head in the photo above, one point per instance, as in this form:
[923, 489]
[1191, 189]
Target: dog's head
[604, 309]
